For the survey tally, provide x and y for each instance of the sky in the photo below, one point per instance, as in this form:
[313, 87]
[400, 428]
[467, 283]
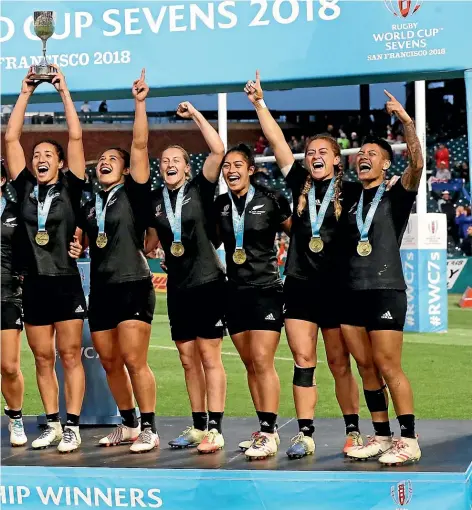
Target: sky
[320, 98]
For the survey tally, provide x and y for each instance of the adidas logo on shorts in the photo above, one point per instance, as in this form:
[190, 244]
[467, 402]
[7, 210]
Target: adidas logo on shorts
[18, 321]
[270, 317]
[79, 309]
[387, 315]
[219, 324]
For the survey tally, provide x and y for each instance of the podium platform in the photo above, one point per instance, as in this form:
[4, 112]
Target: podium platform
[97, 477]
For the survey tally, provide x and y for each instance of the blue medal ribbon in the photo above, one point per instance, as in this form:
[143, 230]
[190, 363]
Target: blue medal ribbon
[175, 220]
[316, 219]
[4, 204]
[100, 211]
[364, 226]
[238, 221]
[43, 208]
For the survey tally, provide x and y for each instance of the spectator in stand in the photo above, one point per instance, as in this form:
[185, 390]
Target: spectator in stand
[442, 172]
[442, 154]
[446, 207]
[294, 144]
[463, 220]
[86, 109]
[330, 130]
[261, 144]
[103, 108]
[353, 157]
[466, 245]
[344, 143]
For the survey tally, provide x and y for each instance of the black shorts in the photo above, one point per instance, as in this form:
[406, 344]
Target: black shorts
[375, 310]
[50, 299]
[110, 304]
[254, 310]
[307, 302]
[196, 312]
[12, 315]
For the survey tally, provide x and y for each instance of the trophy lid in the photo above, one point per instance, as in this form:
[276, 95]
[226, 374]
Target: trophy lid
[44, 23]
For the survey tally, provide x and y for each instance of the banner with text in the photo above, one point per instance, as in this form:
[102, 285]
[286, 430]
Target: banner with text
[424, 259]
[196, 46]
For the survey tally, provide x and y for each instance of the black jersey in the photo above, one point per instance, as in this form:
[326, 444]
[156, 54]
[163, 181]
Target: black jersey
[10, 221]
[263, 217]
[382, 269]
[302, 263]
[122, 259]
[199, 264]
[53, 258]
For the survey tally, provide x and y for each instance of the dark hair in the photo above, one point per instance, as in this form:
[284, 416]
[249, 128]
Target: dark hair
[245, 151]
[4, 171]
[57, 146]
[122, 152]
[338, 172]
[383, 144]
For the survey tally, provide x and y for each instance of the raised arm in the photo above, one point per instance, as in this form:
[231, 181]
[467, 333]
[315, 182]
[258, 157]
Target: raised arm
[211, 167]
[75, 147]
[14, 150]
[140, 170]
[412, 175]
[270, 128]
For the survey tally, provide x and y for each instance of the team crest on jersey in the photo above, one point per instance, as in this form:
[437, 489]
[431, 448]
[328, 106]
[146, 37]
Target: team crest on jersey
[111, 202]
[258, 210]
[225, 211]
[158, 210]
[9, 222]
[186, 201]
[91, 213]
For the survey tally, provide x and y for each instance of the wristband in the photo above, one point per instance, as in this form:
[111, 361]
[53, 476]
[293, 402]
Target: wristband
[260, 104]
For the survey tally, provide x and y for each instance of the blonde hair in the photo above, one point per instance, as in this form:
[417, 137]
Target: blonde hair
[185, 154]
[339, 170]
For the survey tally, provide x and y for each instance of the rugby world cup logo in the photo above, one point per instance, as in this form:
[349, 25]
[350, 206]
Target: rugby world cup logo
[433, 227]
[402, 493]
[403, 8]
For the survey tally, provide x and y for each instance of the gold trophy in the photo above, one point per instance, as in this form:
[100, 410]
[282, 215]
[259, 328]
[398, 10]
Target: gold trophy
[44, 25]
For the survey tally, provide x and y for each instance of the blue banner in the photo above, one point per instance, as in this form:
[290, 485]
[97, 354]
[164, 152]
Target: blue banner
[197, 46]
[84, 488]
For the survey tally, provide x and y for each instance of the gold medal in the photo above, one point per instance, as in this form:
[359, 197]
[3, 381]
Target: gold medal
[364, 248]
[102, 240]
[239, 256]
[177, 249]
[42, 238]
[316, 244]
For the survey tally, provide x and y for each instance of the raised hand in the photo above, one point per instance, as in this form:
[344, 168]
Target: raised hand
[253, 89]
[28, 86]
[59, 80]
[186, 110]
[394, 107]
[140, 87]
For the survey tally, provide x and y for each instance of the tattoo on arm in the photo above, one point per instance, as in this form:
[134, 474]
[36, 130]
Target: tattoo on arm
[412, 175]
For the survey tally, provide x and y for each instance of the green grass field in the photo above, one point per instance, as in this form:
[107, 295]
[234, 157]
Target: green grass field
[439, 367]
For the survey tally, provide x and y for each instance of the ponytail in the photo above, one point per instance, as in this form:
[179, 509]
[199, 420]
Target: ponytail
[337, 190]
[302, 199]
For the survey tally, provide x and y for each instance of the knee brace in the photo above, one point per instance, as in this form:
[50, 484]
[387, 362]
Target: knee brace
[304, 377]
[375, 400]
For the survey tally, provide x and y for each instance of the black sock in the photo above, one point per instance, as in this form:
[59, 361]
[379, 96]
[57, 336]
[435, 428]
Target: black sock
[129, 418]
[73, 420]
[382, 428]
[54, 417]
[258, 415]
[307, 427]
[214, 421]
[200, 420]
[267, 422]
[14, 415]
[148, 422]
[407, 425]
[352, 422]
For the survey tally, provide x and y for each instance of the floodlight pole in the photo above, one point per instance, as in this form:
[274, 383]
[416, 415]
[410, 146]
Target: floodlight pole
[420, 118]
[223, 131]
